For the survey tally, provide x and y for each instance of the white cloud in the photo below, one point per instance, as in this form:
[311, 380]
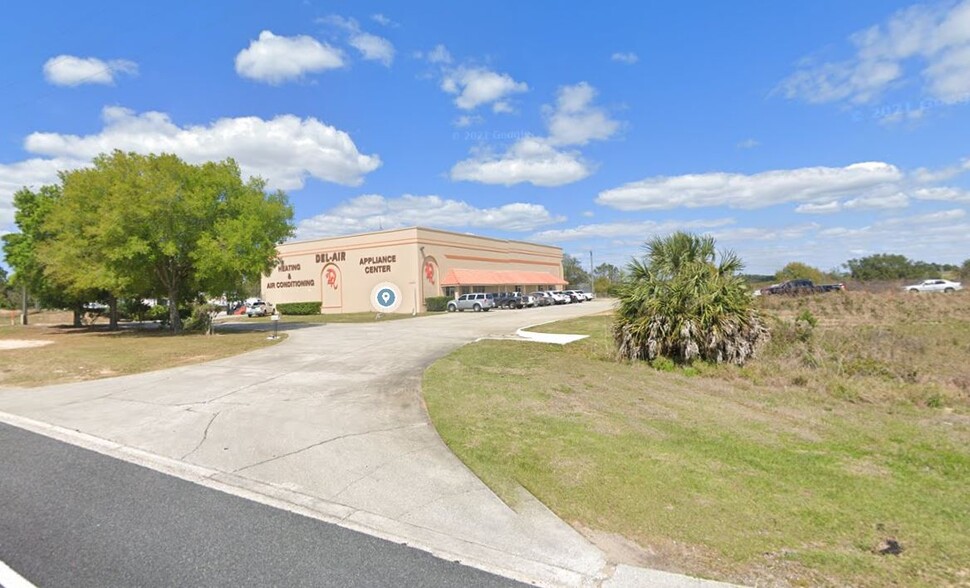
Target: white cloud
[371, 47]
[748, 144]
[930, 218]
[925, 175]
[467, 120]
[944, 193]
[374, 48]
[542, 161]
[819, 207]
[644, 230]
[276, 59]
[372, 211]
[878, 202]
[439, 54]
[805, 185]
[284, 150]
[936, 37]
[629, 58]
[476, 86]
[32, 173]
[574, 121]
[68, 70]
[529, 160]
[383, 20]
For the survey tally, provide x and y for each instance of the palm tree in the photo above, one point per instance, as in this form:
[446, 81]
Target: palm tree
[682, 303]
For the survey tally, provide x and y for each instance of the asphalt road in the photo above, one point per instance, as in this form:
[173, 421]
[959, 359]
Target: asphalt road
[75, 518]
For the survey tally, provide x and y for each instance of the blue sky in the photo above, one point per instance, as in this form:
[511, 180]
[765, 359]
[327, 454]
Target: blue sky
[814, 132]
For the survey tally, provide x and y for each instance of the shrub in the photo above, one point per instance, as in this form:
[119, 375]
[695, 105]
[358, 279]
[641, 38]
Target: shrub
[299, 308]
[134, 309]
[201, 317]
[437, 303]
[682, 303]
[159, 312]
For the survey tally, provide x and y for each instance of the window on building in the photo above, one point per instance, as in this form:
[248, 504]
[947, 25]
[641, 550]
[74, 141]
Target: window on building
[450, 291]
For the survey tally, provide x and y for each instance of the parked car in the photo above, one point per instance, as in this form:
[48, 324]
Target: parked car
[588, 295]
[477, 301]
[935, 285]
[795, 287]
[558, 297]
[258, 309]
[542, 298]
[575, 295]
[518, 300]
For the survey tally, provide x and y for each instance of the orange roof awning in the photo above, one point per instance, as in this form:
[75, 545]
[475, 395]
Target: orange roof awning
[470, 277]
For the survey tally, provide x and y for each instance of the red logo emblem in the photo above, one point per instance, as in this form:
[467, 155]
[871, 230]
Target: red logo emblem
[429, 271]
[331, 276]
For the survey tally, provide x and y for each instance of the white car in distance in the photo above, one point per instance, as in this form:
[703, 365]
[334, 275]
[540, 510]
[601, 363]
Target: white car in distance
[935, 285]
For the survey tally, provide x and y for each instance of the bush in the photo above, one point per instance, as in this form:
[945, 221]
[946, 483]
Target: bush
[201, 318]
[298, 308]
[437, 303]
[159, 312]
[134, 309]
[683, 303]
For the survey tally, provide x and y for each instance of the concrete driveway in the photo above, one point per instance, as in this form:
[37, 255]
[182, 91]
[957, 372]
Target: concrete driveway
[331, 423]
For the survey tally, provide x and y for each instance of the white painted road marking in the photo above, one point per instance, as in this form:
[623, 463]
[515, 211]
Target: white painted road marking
[11, 579]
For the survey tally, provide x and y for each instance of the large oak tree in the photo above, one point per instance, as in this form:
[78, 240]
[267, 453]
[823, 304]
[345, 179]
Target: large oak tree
[153, 224]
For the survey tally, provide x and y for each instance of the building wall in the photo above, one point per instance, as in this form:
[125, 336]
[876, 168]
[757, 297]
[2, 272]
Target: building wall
[342, 272]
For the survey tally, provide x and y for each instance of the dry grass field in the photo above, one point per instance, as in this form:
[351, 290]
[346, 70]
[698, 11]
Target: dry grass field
[798, 469]
[48, 352]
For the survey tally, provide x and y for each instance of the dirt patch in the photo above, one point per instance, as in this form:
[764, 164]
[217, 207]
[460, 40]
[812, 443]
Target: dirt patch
[6, 344]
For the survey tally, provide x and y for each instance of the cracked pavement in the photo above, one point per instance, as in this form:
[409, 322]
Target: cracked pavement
[333, 417]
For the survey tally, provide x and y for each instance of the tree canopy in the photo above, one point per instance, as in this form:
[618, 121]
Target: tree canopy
[889, 266]
[573, 271]
[797, 270]
[137, 225]
[684, 301]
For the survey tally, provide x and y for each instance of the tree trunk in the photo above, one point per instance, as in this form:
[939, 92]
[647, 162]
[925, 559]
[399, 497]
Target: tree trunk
[113, 313]
[23, 312]
[78, 314]
[173, 309]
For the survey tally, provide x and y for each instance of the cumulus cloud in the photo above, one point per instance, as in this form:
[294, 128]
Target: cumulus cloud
[529, 160]
[815, 185]
[285, 150]
[373, 211]
[628, 58]
[68, 70]
[374, 48]
[934, 39]
[32, 173]
[274, 59]
[474, 86]
[575, 121]
[546, 161]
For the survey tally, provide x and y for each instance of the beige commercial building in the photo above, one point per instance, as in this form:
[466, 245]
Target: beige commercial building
[395, 270]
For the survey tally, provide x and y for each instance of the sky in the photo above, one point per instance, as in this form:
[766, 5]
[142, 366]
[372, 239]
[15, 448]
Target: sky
[790, 131]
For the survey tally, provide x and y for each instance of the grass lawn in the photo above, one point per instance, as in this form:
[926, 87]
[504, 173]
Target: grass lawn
[790, 471]
[91, 353]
